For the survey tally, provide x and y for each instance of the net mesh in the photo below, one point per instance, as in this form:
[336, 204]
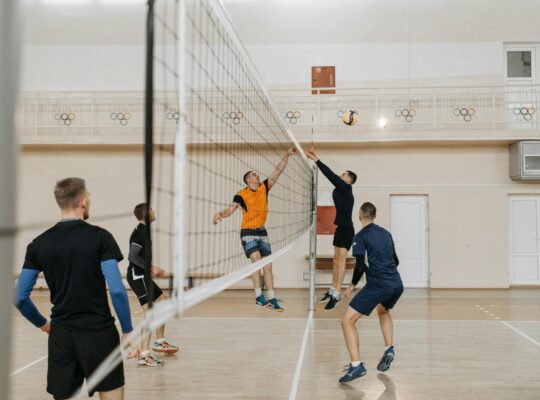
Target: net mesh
[228, 125]
[216, 122]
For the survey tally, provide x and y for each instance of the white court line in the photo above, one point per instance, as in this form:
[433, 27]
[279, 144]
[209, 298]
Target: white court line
[369, 319]
[530, 339]
[28, 365]
[24, 368]
[298, 370]
[373, 319]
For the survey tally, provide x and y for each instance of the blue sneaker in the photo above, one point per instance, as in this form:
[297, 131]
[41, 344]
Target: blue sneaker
[273, 304]
[386, 360]
[353, 373]
[261, 301]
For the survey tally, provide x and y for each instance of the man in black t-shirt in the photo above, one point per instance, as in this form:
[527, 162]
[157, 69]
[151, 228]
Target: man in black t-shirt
[343, 236]
[77, 260]
[143, 286]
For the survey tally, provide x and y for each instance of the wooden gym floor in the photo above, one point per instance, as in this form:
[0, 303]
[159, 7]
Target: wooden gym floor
[461, 344]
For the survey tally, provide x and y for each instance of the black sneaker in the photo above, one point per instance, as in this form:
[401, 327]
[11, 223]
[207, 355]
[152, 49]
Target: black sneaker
[332, 303]
[327, 296]
[386, 360]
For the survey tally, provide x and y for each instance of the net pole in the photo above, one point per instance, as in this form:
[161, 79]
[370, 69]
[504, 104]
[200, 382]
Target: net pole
[313, 240]
[9, 51]
[149, 141]
[180, 166]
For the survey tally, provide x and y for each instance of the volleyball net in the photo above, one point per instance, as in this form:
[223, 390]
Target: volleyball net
[217, 122]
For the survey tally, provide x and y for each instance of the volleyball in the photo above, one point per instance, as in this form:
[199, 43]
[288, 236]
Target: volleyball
[350, 117]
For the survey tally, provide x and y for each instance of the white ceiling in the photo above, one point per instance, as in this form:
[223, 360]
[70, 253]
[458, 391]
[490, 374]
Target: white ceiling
[109, 22]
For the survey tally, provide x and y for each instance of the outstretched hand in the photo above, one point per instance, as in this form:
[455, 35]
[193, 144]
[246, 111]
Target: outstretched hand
[158, 271]
[291, 151]
[217, 218]
[311, 155]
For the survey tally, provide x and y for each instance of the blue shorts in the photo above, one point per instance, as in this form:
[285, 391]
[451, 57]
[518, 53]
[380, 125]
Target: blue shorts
[254, 240]
[371, 296]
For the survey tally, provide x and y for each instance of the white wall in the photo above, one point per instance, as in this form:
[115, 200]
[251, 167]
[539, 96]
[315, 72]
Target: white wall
[82, 68]
[121, 67]
[467, 186]
[100, 46]
[383, 64]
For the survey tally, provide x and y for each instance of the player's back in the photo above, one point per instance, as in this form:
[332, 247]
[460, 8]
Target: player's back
[381, 255]
[70, 255]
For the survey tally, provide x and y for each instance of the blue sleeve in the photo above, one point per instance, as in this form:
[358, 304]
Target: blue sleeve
[118, 293]
[27, 281]
[358, 248]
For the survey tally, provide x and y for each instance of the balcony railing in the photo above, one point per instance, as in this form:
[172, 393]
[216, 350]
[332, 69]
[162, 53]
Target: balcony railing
[482, 112]
[434, 109]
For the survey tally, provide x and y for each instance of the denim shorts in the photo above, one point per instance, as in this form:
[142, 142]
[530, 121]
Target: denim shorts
[254, 240]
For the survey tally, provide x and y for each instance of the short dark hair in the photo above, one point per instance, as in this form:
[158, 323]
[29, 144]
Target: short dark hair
[369, 210]
[69, 191]
[140, 211]
[352, 176]
[246, 175]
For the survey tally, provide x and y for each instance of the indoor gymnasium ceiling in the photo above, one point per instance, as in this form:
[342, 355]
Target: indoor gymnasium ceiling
[297, 21]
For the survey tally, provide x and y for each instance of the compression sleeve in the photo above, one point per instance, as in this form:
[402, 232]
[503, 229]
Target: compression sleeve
[135, 257]
[359, 269]
[118, 293]
[23, 302]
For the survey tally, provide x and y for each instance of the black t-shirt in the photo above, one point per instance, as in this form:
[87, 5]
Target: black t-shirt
[138, 237]
[70, 255]
[342, 195]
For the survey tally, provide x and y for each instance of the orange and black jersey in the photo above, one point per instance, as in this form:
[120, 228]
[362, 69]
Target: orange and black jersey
[254, 205]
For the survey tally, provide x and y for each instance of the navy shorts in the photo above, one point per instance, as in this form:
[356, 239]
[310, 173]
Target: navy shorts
[371, 296]
[254, 240]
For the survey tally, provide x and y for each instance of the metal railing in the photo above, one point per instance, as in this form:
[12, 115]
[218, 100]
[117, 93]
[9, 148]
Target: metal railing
[405, 108]
[119, 116]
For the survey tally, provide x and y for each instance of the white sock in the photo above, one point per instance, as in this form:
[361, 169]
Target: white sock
[356, 363]
[258, 292]
[145, 353]
[270, 294]
[332, 290]
[336, 295]
[161, 340]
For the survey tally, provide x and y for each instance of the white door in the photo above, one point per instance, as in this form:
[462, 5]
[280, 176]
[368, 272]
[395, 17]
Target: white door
[409, 225]
[524, 240]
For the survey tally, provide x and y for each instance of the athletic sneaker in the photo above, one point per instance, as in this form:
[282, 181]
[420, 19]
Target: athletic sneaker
[327, 296]
[353, 373]
[261, 301]
[386, 360]
[165, 347]
[332, 303]
[150, 361]
[273, 304]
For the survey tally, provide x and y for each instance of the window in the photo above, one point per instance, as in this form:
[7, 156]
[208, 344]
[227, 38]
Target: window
[518, 64]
